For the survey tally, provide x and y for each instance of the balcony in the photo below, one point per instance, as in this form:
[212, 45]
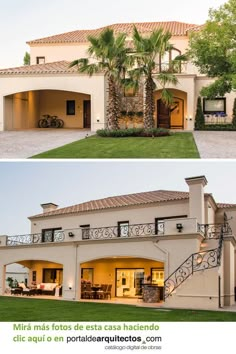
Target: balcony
[161, 228]
[29, 239]
[213, 231]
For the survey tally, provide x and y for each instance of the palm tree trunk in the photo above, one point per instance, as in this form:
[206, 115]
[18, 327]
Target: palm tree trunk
[113, 107]
[149, 104]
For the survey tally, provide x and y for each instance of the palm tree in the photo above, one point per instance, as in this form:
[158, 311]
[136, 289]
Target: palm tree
[147, 50]
[108, 54]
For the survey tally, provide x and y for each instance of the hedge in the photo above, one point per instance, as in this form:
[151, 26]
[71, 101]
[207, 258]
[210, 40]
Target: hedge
[137, 132]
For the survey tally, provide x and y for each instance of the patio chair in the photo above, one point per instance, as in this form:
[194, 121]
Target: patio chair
[102, 291]
[88, 292]
[107, 293]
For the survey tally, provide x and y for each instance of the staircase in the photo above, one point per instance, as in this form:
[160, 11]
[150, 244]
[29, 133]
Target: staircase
[199, 261]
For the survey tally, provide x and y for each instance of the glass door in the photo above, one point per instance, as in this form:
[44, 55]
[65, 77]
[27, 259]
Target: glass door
[129, 282]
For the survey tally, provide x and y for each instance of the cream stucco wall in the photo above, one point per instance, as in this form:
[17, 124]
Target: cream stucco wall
[110, 217]
[56, 52]
[200, 291]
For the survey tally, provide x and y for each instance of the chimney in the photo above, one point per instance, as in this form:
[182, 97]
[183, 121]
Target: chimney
[196, 197]
[47, 207]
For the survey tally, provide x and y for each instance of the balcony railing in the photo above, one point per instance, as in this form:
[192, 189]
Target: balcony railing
[213, 231]
[30, 239]
[136, 230]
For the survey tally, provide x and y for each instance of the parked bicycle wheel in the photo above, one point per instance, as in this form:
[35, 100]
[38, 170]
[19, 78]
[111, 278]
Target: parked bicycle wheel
[61, 123]
[55, 123]
[42, 123]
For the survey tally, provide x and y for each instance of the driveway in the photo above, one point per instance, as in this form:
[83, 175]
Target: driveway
[216, 145]
[26, 143]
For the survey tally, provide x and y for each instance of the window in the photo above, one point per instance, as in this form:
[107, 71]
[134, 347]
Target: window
[53, 275]
[34, 275]
[85, 232]
[123, 229]
[40, 60]
[51, 235]
[165, 61]
[87, 275]
[70, 108]
[214, 106]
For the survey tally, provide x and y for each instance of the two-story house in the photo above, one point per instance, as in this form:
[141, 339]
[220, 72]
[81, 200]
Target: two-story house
[48, 86]
[182, 242]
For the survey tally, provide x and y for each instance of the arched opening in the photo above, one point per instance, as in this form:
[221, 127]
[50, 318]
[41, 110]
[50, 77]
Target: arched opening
[126, 275]
[45, 277]
[23, 110]
[172, 117]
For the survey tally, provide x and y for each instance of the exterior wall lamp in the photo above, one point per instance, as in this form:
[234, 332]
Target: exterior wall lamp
[179, 227]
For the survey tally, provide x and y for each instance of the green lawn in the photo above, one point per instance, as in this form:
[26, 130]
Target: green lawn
[29, 309]
[178, 145]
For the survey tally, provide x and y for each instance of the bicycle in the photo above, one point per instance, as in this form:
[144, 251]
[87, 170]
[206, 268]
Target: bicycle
[50, 122]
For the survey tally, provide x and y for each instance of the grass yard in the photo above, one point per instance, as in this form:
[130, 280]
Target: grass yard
[29, 309]
[178, 145]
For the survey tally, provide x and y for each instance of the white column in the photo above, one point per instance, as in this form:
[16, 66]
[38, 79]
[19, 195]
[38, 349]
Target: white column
[229, 273]
[196, 197]
[1, 112]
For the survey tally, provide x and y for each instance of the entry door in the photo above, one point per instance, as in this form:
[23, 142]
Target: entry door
[87, 114]
[163, 115]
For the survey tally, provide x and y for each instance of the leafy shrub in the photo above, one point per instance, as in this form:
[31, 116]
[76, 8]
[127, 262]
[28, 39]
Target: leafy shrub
[120, 133]
[199, 116]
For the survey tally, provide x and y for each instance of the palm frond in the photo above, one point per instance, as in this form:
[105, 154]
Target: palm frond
[167, 78]
[167, 97]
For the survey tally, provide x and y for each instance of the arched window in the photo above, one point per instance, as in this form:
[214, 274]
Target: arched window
[165, 61]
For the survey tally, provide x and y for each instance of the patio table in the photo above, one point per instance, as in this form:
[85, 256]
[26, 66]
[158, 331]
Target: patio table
[96, 289]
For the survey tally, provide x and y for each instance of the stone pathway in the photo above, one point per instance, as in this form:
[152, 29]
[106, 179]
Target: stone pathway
[26, 143]
[216, 145]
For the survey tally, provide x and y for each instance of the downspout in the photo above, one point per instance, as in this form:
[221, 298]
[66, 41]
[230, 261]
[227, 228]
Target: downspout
[76, 270]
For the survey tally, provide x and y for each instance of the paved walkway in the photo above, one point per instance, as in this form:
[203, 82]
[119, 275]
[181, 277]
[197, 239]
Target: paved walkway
[26, 143]
[216, 145]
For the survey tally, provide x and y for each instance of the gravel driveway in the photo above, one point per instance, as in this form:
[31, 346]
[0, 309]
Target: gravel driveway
[26, 143]
[216, 145]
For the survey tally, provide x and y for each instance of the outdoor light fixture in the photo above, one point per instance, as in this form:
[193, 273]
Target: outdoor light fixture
[70, 234]
[179, 227]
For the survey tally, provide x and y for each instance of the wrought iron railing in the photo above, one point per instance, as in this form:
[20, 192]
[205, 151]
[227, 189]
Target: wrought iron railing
[213, 231]
[29, 239]
[200, 260]
[123, 231]
[194, 263]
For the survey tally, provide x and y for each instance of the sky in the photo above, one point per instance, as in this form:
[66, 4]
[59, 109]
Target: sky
[21, 21]
[26, 185]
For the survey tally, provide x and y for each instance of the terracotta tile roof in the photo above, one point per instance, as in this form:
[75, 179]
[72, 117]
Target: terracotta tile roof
[126, 200]
[80, 36]
[225, 205]
[119, 201]
[59, 67]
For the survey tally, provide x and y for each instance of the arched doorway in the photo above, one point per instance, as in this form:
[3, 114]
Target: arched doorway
[126, 274]
[23, 110]
[171, 117]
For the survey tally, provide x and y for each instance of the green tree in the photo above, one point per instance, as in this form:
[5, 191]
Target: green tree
[108, 54]
[199, 116]
[147, 50]
[27, 58]
[213, 50]
[234, 114]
